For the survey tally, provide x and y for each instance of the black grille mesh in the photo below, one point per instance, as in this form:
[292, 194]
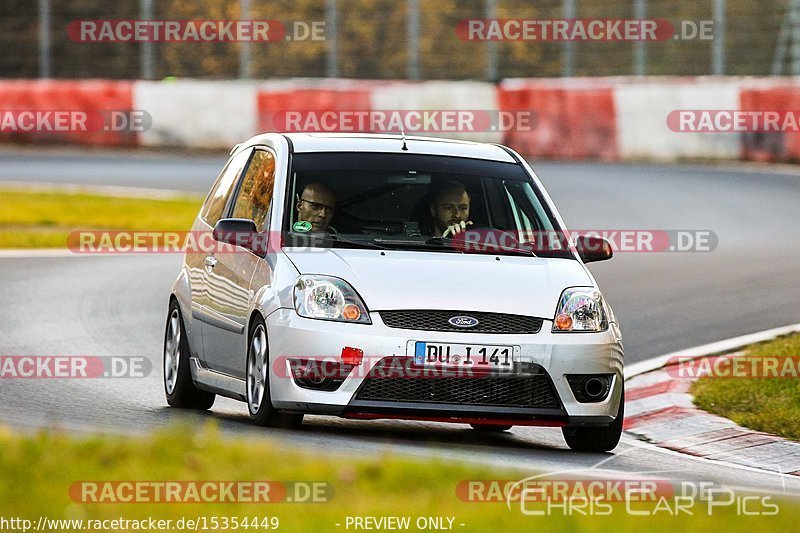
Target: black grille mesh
[534, 390]
[438, 321]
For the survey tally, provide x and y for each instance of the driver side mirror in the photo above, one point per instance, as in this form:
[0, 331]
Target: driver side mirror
[593, 248]
[236, 231]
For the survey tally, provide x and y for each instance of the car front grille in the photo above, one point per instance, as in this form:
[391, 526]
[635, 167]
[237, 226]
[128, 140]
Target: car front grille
[531, 390]
[438, 321]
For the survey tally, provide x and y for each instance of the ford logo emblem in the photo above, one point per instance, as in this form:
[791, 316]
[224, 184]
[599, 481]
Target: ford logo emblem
[463, 321]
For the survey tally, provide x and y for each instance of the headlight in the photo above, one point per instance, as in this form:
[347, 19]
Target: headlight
[329, 298]
[581, 309]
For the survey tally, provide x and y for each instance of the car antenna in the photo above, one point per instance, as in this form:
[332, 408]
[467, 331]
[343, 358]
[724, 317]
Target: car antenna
[403, 132]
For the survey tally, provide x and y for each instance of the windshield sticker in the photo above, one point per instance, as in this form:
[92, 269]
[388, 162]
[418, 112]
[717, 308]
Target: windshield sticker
[302, 225]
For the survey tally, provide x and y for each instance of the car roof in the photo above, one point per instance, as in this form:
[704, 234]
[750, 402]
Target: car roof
[389, 143]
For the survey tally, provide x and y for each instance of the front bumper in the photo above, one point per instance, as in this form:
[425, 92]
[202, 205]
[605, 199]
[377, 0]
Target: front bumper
[292, 337]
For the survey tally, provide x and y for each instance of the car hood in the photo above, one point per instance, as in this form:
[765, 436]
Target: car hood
[432, 280]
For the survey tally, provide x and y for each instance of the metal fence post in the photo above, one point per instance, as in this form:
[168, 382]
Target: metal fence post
[490, 12]
[794, 49]
[412, 39]
[146, 47]
[44, 39]
[718, 51]
[640, 47]
[568, 47]
[331, 57]
[246, 50]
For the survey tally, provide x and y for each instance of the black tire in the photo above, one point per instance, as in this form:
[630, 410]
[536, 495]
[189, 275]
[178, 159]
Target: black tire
[597, 439]
[184, 393]
[490, 428]
[262, 412]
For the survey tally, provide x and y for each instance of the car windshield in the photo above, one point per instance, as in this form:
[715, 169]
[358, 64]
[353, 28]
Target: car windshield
[417, 202]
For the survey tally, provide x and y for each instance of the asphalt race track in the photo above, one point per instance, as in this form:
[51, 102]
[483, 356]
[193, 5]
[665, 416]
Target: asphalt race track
[101, 305]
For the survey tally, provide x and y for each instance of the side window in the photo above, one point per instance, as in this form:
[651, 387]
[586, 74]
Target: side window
[516, 212]
[217, 199]
[255, 192]
[526, 222]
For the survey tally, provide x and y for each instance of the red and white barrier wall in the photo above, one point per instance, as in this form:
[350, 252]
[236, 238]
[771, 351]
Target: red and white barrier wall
[23, 96]
[642, 108]
[578, 118]
[196, 114]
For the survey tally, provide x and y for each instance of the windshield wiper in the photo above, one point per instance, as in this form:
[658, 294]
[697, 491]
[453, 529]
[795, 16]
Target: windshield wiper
[496, 248]
[445, 244]
[479, 247]
[434, 243]
[332, 239]
[362, 244]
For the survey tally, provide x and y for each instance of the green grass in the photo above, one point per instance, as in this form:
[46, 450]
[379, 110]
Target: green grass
[36, 472]
[44, 219]
[764, 404]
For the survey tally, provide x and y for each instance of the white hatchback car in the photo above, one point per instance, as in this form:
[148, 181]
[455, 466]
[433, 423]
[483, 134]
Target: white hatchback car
[374, 276]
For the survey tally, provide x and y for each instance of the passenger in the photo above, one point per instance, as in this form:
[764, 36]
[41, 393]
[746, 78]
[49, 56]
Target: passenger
[316, 205]
[450, 209]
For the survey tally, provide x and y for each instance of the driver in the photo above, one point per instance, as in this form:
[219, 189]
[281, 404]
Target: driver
[450, 209]
[316, 204]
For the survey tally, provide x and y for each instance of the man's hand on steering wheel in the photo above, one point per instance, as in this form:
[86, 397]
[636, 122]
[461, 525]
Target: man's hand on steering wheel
[455, 229]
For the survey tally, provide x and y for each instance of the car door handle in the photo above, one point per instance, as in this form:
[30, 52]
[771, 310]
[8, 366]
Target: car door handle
[211, 261]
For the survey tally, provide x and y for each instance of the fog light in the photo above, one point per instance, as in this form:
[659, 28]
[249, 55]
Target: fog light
[327, 375]
[595, 388]
[590, 388]
[352, 356]
[315, 376]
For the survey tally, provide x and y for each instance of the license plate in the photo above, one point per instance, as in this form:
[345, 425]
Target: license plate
[476, 356]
